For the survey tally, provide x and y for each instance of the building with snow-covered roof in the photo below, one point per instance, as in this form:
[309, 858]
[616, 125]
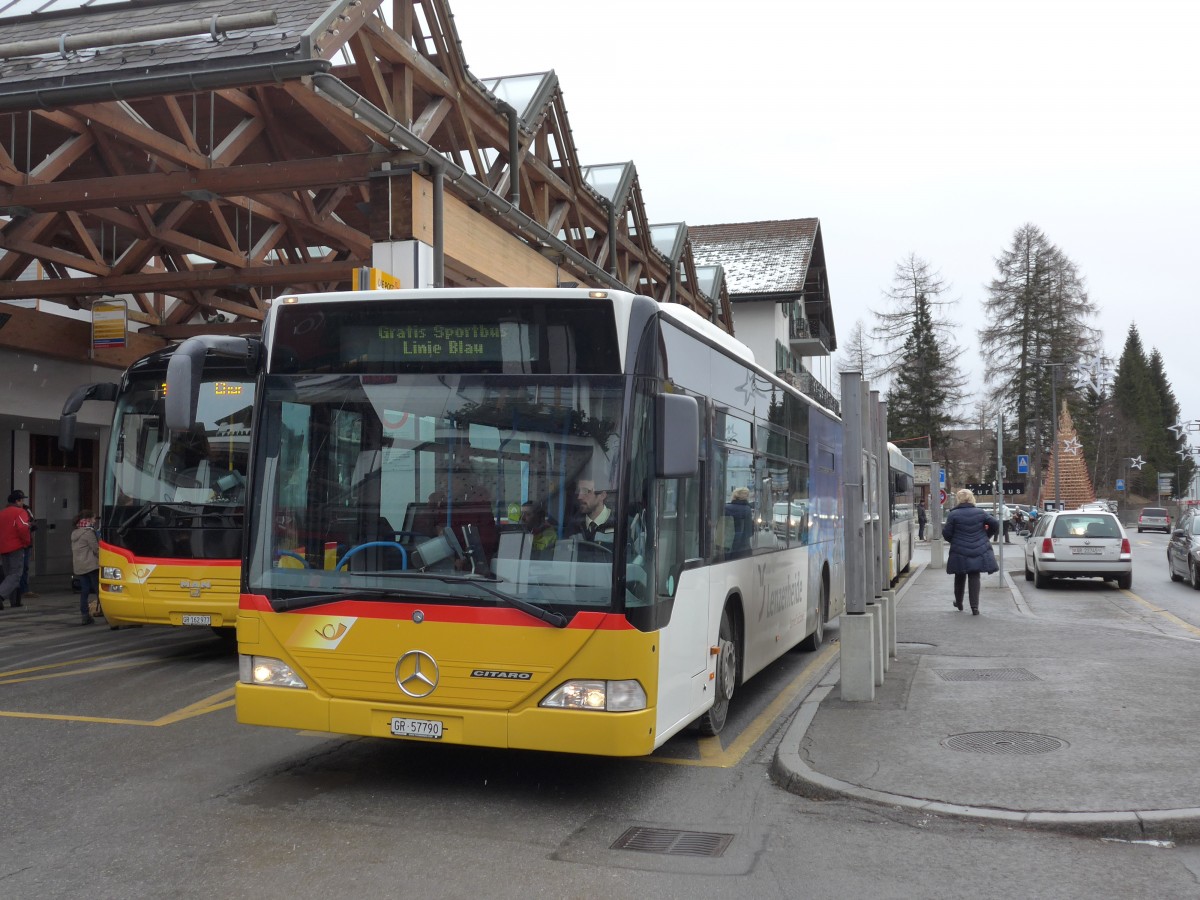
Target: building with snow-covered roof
[779, 291]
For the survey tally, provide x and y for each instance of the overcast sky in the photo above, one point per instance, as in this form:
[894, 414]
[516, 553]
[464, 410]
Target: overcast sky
[934, 127]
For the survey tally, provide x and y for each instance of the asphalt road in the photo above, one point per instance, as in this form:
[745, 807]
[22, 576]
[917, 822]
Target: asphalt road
[126, 775]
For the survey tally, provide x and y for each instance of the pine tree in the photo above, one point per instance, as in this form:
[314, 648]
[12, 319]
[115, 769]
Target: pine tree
[913, 279]
[921, 397]
[1167, 450]
[1037, 310]
[1134, 395]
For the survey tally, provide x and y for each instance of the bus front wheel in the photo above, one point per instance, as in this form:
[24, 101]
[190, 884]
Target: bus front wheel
[713, 721]
[817, 638]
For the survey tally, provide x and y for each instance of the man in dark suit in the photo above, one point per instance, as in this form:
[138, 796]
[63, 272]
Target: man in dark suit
[595, 521]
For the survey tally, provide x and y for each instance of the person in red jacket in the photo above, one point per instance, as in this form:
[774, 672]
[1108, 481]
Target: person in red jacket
[15, 536]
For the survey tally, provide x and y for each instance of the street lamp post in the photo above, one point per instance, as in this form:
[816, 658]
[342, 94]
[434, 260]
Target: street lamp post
[1054, 423]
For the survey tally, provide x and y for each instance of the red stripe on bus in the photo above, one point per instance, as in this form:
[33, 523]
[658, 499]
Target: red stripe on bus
[465, 615]
[166, 560]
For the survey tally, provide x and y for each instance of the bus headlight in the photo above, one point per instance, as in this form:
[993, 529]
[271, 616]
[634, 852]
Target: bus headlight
[603, 696]
[112, 573]
[268, 671]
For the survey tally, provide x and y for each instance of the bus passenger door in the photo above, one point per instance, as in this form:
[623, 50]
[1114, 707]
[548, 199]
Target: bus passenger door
[685, 638]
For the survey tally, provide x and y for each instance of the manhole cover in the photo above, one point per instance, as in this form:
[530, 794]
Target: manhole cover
[1017, 743]
[986, 675]
[672, 842]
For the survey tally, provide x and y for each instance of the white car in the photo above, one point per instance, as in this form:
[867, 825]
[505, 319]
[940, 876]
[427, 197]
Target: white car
[1079, 544]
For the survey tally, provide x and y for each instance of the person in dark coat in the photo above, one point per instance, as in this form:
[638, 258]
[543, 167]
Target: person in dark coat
[921, 520]
[967, 530]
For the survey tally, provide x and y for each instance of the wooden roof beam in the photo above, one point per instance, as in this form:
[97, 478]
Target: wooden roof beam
[250, 179]
[173, 282]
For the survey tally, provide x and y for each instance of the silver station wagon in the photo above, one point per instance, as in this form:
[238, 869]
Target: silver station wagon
[1078, 544]
[1154, 518]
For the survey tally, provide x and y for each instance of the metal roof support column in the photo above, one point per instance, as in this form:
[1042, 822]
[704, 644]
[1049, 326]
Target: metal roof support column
[439, 225]
[514, 153]
[612, 240]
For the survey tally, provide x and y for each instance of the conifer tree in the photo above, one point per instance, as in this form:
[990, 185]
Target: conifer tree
[922, 396]
[1037, 311]
[914, 278]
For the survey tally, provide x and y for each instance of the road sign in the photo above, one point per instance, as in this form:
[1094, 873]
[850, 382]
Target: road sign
[942, 495]
[1120, 484]
[942, 477]
[1022, 464]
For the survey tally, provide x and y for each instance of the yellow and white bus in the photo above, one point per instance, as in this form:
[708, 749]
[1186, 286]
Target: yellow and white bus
[902, 529]
[172, 507]
[418, 562]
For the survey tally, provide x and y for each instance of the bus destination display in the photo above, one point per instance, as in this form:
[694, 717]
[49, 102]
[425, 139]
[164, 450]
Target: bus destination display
[428, 343]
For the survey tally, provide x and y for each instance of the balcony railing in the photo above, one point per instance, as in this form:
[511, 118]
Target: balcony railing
[806, 337]
[806, 383]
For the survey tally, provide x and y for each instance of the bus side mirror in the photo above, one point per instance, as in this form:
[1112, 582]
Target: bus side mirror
[677, 436]
[104, 390]
[186, 369]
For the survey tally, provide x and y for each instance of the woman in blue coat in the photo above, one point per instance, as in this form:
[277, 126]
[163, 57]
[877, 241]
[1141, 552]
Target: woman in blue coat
[968, 530]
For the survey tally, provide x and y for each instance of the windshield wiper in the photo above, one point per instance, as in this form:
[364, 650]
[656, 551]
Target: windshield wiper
[307, 601]
[125, 527]
[549, 616]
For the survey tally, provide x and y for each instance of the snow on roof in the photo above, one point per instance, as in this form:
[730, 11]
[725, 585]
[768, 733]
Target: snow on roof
[758, 257]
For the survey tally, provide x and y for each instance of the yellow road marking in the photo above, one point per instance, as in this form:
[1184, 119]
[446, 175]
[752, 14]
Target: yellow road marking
[69, 662]
[218, 701]
[714, 753]
[1169, 616]
[113, 667]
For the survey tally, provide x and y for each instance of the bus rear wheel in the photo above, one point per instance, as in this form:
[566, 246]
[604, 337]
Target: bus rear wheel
[713, 721]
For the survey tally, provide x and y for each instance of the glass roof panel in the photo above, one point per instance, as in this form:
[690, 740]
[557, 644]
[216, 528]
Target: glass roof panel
[706, 279]
[10, 8]
[515, 90]
[604, 179]
[665, 238]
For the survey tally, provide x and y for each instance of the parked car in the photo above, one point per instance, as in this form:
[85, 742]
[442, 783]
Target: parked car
[1154, 518]
[1077, 544]
[1095, 506]
[1183, 550]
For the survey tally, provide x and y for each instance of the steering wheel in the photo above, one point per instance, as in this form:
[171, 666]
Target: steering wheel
[593, 545]
[349, 553]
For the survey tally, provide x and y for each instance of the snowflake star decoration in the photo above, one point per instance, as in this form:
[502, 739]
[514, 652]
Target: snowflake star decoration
[1073, 446]
[1137, 462]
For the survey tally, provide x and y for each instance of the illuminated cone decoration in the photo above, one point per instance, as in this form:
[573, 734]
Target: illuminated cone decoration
[1075, 485]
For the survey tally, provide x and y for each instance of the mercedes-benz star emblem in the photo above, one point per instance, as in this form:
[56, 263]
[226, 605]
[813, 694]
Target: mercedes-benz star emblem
[417, 674]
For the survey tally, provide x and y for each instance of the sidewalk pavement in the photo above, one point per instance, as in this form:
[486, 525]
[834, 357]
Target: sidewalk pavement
[1027, 714]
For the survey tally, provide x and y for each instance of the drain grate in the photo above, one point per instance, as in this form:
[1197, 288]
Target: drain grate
[986, 675]
[672, 842]
[1017, 743]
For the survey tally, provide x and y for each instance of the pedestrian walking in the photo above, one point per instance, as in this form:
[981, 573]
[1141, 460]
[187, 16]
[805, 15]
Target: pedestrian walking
[15, 537]
[921, 520]
[967, 530]
[23, 592]
[85, 562]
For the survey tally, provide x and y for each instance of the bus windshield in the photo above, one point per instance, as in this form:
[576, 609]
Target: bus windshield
[472, 488]
[178, 495]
